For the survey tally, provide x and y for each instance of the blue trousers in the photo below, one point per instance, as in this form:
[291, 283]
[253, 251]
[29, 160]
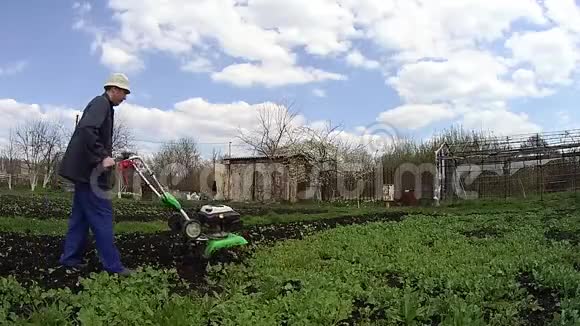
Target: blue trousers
[96, 213]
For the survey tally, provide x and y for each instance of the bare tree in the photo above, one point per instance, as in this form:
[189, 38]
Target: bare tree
[177, 159]
[321, 149]
[216, 155]
[123, 136]
[10, 156]
[39, 141]
[276, 130]
[54, 149]
[29, 141]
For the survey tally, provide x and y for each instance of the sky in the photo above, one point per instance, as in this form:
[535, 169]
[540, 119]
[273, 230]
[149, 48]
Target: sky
[202, 68]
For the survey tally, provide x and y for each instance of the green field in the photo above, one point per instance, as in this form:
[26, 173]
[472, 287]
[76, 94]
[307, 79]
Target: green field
[478, 263]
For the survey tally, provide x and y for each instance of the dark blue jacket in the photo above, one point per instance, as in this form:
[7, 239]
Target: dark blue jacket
[91, 142]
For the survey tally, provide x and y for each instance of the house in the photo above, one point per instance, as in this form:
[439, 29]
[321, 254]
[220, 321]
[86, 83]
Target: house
[15, 172]
[14, 167]
[291, 178]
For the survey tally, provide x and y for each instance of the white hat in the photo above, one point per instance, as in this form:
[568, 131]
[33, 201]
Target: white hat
[119, 80]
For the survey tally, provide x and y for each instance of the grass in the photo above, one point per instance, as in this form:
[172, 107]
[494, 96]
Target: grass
[562, 200]
[59, 227]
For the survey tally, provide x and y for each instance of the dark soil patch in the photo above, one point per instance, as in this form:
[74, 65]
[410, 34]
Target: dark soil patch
[429, 243]
[58, 207]
[547, 299]
[34, 258]
[562, 235]
[305, 211]
[291, 286]
[392, 278]
[395, 280]
[363, 310]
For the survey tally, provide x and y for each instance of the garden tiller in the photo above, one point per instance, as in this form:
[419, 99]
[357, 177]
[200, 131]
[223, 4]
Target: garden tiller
[212, 226]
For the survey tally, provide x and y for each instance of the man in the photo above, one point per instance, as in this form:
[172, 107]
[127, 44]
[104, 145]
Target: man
[87, 163]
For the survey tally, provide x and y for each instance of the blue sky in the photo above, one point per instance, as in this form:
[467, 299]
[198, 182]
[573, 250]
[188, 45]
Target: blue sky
[415, 65]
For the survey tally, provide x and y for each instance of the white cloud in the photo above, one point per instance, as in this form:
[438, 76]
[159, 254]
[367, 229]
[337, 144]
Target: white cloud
[565, 13]
[243, 32]
[214, 123]
[14, 113]
[13, 68]
[198, 64]
[552, 53]
[468, 74]
[82, 7]
[416, 116]
[450, 54]
[434, 29]
[526, 81]
[81, 10]
[119, 59]
[356, 59]
[277, 30]
[501, 122]
[319, 92]
[272, 75]
[193, 118]
[322, 27]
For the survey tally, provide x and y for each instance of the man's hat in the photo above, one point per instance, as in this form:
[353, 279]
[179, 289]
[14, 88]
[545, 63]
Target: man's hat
[119, 80]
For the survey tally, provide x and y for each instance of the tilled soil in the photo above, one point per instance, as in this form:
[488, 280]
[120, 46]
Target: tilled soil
[547, 300]
[33, 258]
[559, 235]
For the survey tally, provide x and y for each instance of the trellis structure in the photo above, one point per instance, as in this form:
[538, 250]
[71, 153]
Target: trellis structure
[512, 166]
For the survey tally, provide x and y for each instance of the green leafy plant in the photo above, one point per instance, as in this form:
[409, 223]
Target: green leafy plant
[421, 270]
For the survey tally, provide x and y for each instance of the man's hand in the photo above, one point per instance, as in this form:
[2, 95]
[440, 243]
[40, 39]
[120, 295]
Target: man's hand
[108, 162]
